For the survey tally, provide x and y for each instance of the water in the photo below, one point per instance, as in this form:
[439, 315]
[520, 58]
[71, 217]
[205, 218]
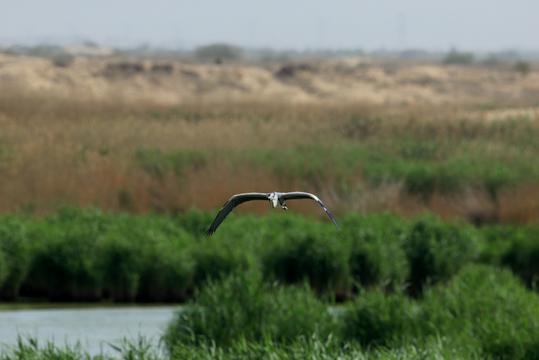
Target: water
[93, 328]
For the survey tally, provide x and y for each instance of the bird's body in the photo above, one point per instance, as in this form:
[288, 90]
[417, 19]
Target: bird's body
[276, 199]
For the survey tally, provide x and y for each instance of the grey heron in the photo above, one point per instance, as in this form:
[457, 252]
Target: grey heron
[276, 199]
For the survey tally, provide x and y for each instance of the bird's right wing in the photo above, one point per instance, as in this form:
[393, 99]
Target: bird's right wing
[231, 204]
[305, 195]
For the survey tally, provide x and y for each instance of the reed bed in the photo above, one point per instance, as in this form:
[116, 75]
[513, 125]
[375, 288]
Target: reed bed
[142, 157]
[89, 255]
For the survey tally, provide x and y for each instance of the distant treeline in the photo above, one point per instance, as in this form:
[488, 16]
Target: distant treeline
[225, 51]
[89, 255]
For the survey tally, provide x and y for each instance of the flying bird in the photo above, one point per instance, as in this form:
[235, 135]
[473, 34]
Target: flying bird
[275, 198]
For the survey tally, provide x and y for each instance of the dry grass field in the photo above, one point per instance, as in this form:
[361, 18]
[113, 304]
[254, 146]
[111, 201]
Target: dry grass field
[367, 135]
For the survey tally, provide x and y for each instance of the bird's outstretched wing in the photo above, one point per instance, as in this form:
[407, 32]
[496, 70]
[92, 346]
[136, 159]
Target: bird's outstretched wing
[231, 204]
[305, 195]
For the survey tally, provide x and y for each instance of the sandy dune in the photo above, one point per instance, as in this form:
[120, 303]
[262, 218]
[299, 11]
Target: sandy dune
[357, 80]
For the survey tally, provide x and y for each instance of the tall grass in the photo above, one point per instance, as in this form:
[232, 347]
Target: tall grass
[142, 157]
[15, 256]
[482, 312]
[522, 259]
[490, 307]
[311, 348]
[308, 254]
[436, 251]
[3, 269]
[157, 163]
[372, 243]
[242, 307]
[324, 349]
[90, 255]
[379, 319]
[31, 348]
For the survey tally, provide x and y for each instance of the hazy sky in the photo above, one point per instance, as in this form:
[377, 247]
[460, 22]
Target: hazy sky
[430, 24]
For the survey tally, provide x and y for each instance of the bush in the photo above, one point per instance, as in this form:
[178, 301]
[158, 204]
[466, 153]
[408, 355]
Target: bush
[436, 251]
[166, 273]
[63, 60]
[64, 267]
[215, 260]
[490, 307]
[165, 267]
[307, 254]
[496, 242]
[118, 259]
[87, 255]
[378, 259]
[496, 177]
[515, 247]
[420, 180]
[455, 57]
[523, 255]
[194, 222]
[522, 67]
[213, 52]
[379, 319]
[242, 307]
[3, 269]
[15, 247]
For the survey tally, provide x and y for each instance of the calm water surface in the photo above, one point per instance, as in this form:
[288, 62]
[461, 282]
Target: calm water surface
[93, 328]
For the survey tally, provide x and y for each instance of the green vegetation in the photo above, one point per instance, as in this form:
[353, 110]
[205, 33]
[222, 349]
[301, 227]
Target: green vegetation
[243, 307]
[374, 240]
[323, 349]
[88, 255]
[483, 312]
[382, 287]
[487, 306]
[522, 67]
[436, 251]
[3, 268]
[218, 51]
[145, 157]
[157, 163]
[14, 256]
[307, 253]
[30, 348]
[523, 255]
[314, 348]
[455, 57]
[446, 158]
[379, 319]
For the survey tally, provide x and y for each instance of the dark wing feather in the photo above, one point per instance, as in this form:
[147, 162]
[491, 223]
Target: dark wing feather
[231, 204]
[305, 195]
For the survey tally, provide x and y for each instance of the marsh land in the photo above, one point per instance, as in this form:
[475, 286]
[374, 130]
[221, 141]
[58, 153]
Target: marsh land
[112, 167]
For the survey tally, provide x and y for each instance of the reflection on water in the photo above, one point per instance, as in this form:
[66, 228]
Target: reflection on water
[93, 328]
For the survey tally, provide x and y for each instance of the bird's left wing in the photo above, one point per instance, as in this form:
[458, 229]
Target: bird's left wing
[305, 195]
[231, 204]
